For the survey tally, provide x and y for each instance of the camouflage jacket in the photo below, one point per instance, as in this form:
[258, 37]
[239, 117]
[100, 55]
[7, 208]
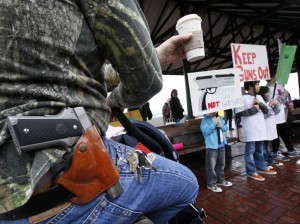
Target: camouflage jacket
[51, 55]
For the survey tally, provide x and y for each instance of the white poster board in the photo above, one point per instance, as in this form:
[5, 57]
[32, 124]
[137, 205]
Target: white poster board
[251, 61]
[212, 91]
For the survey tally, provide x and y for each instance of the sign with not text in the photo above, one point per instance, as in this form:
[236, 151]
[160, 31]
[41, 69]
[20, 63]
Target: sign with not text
[251, 62]
[212, 91]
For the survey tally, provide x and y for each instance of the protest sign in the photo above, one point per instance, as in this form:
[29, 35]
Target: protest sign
[285, 63]
[251, 61]
[133, 115]
[213, 91]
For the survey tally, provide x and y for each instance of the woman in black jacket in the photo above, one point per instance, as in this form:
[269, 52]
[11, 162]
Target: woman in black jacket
[176, 107]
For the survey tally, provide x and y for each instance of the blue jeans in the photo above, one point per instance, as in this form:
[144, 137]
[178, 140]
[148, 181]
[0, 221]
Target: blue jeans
[161, 195]
[268, 156]
[214, 166]
[254, 157]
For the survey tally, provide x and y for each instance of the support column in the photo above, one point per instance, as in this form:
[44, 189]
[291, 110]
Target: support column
[297, 60]
[187, 69]
[298, 69]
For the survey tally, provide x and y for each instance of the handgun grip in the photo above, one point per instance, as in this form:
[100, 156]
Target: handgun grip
[31, 134]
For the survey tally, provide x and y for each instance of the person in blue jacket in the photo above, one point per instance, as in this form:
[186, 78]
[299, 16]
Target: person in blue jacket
[213, 128]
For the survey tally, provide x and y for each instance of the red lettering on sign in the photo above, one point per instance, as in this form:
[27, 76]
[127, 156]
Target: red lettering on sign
[248, 58]
[250, 75]
[236, 56]
[263, 73]
[253, 56]
[241, 74]
[212, 105]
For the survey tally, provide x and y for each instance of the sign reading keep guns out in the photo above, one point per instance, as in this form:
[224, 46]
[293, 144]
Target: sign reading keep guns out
[251, 62]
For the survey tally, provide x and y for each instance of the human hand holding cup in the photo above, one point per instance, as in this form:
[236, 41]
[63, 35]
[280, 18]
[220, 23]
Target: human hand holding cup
[194, 48]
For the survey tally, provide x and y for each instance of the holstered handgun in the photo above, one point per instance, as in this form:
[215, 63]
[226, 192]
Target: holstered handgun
[92, 171]
[87, 170]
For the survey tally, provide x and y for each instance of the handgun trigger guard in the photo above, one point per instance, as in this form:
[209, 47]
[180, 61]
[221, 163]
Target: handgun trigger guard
[63, 164]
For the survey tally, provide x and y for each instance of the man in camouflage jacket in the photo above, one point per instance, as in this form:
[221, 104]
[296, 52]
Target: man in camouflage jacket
[51, 55]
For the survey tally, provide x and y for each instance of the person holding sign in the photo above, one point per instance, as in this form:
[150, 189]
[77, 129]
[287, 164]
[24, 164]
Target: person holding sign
[278, 92]
[274, 108]
[251, 114]
[214, 128]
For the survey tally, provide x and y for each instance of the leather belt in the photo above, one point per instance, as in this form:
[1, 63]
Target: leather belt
[49, 213]
[39, 203]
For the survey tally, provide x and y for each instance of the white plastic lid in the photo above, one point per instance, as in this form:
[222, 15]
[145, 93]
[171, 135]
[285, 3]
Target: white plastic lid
[187, 17]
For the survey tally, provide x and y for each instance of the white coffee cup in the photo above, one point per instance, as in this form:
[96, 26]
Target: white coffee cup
[194, 48]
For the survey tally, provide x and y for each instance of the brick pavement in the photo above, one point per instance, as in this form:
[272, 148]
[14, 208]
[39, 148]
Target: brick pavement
[276, 200]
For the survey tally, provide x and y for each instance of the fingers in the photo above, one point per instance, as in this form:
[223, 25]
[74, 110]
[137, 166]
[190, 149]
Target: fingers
[182, 37]
[256, 101]
[217, 120]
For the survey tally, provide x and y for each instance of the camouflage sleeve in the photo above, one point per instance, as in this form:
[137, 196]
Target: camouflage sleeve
[268, 114]
[281, 99]
[263, 108]
[123, 38]
[276, 108]
[247, 112]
